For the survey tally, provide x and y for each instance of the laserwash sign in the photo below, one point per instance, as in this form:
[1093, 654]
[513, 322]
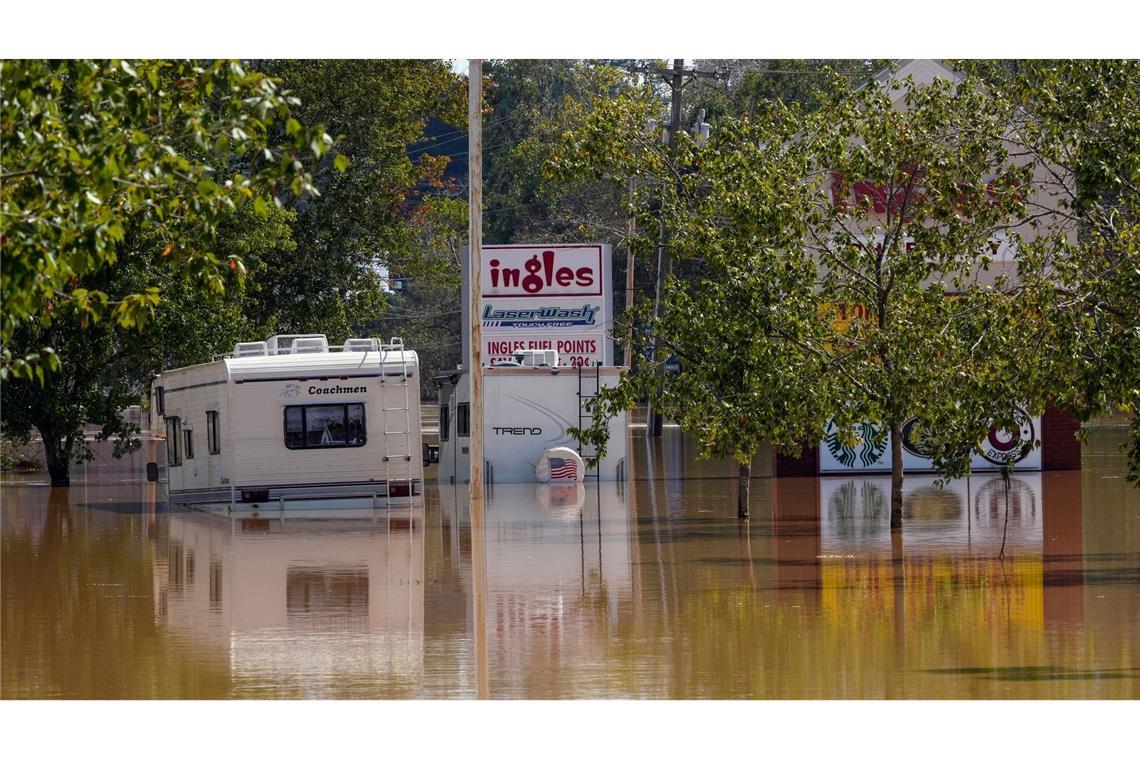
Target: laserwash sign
[547, 297]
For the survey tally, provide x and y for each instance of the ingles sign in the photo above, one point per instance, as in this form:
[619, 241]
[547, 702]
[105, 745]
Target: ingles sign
[520, 271]
[547, 297]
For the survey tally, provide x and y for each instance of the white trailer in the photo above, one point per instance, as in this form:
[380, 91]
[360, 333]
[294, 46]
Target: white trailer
[527, 409]
[288, 424]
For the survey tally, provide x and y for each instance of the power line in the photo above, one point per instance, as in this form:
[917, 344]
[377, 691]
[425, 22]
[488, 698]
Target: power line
[461, 135]
[418, 316]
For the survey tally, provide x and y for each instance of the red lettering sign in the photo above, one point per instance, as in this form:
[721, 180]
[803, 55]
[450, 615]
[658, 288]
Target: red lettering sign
[516, 271]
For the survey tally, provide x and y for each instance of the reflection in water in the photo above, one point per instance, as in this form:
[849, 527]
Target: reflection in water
[302, 607]
[649, 588]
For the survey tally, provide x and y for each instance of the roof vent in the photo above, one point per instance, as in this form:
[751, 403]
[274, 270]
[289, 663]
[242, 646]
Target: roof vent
[283, 344]
[313, 345]
[361, 344]
[254, 348]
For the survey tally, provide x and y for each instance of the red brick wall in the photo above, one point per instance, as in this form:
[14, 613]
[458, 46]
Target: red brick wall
[804, 464]
[1060, 449]
[1062, 549]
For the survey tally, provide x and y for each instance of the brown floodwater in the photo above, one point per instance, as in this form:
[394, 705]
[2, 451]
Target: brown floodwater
[645, 589]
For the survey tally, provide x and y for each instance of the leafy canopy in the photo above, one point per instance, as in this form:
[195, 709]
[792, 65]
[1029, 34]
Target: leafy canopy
[865, 202]
[89, 145]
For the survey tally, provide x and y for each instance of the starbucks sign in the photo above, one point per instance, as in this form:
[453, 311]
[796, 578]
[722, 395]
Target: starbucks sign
[866, 451]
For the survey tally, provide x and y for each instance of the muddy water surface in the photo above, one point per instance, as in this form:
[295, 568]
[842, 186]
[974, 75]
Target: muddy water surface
[650, 589]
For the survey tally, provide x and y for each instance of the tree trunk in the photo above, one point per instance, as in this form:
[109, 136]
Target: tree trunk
[898, 577]
[744, 488]
[57, 456]
[896, 476]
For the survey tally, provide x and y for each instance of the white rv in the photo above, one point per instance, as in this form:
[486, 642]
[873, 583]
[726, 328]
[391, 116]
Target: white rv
[529, 404]
[288, 423]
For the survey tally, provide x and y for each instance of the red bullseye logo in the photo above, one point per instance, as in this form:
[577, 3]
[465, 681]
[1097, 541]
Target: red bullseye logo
[1005, 447]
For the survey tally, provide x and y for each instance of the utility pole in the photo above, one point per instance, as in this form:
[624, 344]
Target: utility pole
[676, 79]
[629, 272]
[475, 368]
[475, 269]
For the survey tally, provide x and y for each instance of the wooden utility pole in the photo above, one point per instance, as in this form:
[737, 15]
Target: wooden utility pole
[475, 269]
[475, 369]
[676, 78]
[629, 272]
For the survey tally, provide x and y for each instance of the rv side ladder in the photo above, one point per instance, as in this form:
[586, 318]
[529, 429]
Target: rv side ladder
[391, 452]
[588, 387]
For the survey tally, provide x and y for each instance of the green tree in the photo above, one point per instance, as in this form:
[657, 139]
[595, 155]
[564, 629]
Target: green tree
[859, 203]
[735, 389]
[373, 216]
[91, 146]
[919, 187]
[748, 85]
[532, 102]
[1079, 123]
[108, 366]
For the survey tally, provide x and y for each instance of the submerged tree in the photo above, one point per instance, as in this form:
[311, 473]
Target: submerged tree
[107, 366]
[917, 232]
[885, 201]
[1079, 122]
[744, 333]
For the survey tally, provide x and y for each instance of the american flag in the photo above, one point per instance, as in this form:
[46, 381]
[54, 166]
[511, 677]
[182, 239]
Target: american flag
[563, 468]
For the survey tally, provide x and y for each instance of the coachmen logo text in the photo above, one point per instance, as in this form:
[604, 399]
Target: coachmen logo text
[315, 390]
[543, 316]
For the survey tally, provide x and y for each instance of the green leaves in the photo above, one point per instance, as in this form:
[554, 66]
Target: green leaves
[1078, 122]
[110, 142]
[893, 201]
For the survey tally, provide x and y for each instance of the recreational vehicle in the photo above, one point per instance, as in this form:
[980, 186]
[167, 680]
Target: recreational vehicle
[288, 423]
[529, 405]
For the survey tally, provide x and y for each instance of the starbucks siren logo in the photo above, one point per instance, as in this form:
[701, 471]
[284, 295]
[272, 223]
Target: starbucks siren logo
[867, 451]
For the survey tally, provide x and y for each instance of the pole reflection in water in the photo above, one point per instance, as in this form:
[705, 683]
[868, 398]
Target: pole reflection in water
[645, 588]
[477, 515]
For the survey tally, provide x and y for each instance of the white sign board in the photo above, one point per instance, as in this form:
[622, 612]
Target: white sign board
[1021, 448]
[547, 297]
[837, 454]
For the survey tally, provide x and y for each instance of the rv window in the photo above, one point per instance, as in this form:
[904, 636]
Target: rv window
[213, 437]
[444, 422]
[463, 420]
[294, 427]
[189, 444]
[323, 426]
[173, 441]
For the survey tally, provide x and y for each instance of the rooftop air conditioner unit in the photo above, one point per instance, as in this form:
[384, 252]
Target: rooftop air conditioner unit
[283, 344]
[254, 348]
[315, 345]
[361, 344]
[533, 358]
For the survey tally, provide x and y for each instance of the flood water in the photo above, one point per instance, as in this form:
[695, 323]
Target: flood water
[648, 589]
